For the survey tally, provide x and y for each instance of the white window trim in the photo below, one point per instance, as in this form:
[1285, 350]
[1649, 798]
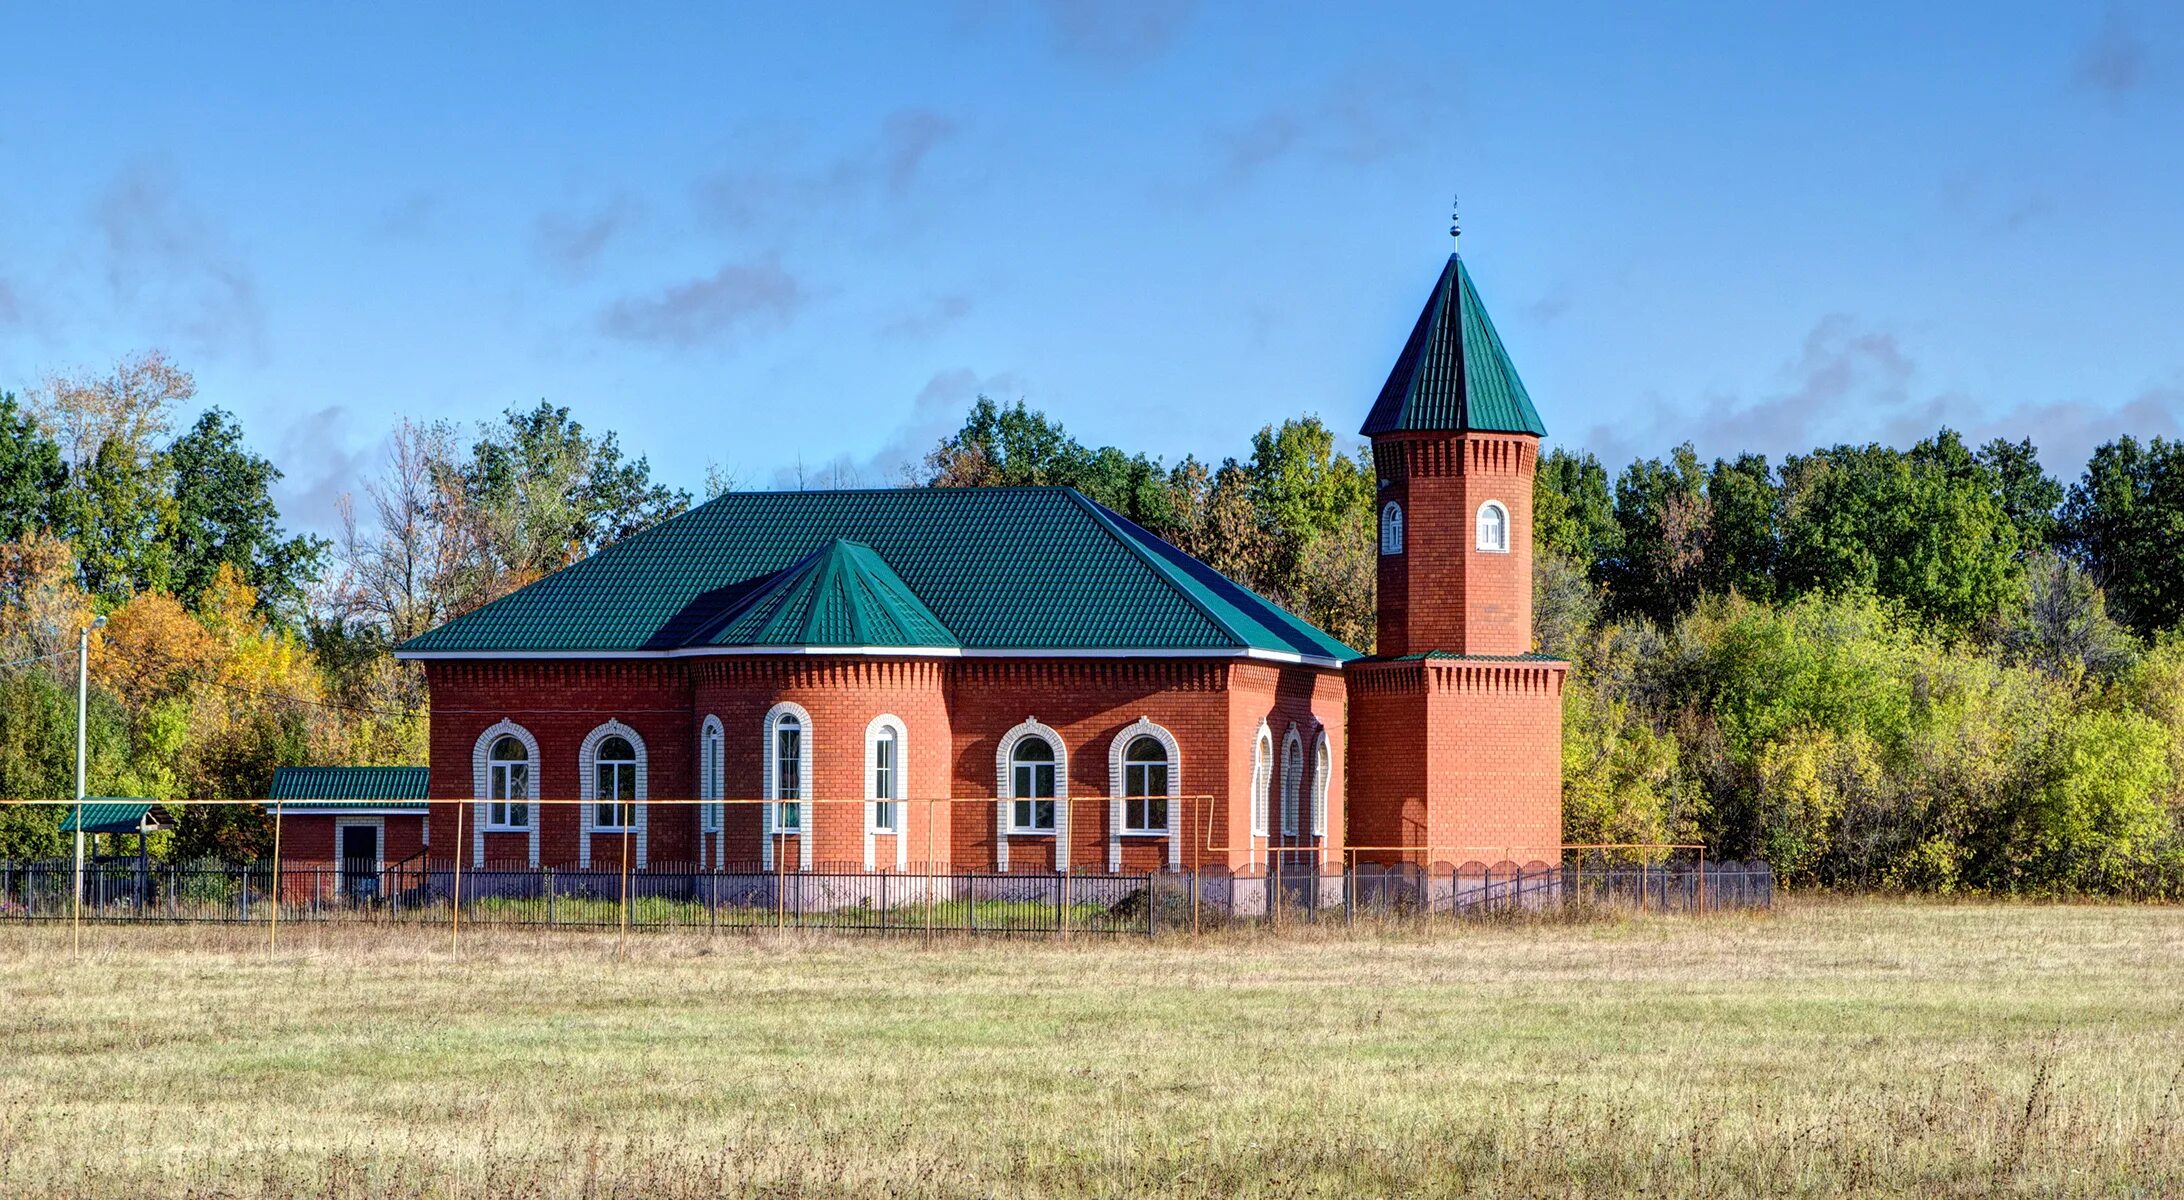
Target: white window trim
[1391, 522]
[712, 818]
[1118, 789]
[1262, 782]
[886, 722]
[1005, 790]
[1478, 527]
[1292, 781]
[481, 780]
[770, 785]
[587, 758]
[1323, 773]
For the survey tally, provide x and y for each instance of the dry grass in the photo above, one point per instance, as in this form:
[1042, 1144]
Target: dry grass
[1829, 1049]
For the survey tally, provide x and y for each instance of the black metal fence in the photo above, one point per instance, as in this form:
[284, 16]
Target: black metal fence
[660, 896]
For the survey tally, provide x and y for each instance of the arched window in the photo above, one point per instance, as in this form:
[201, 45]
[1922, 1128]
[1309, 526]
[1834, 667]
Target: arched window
[508, 784]
[886, 779]
[1322, 769]
[614, 785]
[1292, 780]
[1145, 786]
[1391, 528]
[788, 773]
[1031, 786]
[1493, 527]
[712, 749]
[1262, 781]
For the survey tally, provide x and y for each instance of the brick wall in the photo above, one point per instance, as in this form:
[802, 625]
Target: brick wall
[1442, 592]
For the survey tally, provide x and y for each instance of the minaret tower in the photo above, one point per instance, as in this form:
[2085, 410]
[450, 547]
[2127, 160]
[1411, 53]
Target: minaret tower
[1456, 726]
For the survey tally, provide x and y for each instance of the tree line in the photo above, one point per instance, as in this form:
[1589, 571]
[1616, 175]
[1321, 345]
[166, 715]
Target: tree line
[1934, 668]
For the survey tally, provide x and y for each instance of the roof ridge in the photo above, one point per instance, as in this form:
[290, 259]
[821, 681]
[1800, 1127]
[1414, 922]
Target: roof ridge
[1161, 568]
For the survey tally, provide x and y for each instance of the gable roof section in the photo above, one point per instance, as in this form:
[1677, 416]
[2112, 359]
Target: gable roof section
[963, 570]
[106, 814]
[350, 789]
[841, 595]
[1454, 375]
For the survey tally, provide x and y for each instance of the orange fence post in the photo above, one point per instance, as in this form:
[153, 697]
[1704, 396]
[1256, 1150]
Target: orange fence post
[273, 924]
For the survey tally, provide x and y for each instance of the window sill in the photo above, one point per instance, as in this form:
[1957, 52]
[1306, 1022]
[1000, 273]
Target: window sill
[1031, 833]
[504, 829]
[1145, 833]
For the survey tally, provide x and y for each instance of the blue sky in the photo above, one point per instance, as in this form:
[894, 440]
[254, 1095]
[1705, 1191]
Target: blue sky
[806, 237]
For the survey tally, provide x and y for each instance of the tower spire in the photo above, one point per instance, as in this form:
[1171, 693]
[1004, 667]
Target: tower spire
[1455, 226]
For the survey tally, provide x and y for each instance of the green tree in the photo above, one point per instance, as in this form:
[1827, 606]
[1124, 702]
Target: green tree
[1573, 511]
[223, 512]
[1913, 527]
[1661, 516]
[2124, 520]
[1743, 507]
[31, 473]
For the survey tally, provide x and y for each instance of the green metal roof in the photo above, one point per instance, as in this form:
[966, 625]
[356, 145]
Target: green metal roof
[1453, 374]
[986, 569]
[348, 788]
[842, 595]
[105, 815]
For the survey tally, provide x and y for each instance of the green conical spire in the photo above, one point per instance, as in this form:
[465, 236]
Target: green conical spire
[843, 594]
[1453, 374]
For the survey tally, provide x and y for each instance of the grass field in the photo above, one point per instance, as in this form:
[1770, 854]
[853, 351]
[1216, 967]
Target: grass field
[1828, 1049]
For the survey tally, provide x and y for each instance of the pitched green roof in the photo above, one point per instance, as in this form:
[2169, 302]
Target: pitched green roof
[345, 788]
[841, 595]
[103, 815]
[1453, 373]
[993, 569]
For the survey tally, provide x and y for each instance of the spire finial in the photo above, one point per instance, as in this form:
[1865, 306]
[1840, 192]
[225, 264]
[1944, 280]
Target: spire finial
[1455, 226]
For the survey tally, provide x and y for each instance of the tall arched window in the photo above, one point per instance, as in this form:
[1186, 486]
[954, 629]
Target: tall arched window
[886, 779]
[1262, 781]
[508, 784]
[1145, 786]
[1031, 786]
[788, 773]
[614, 785]
[1391, 528]
[1292, 780]
[1493, 527]
[1322, 770]
[712, 750]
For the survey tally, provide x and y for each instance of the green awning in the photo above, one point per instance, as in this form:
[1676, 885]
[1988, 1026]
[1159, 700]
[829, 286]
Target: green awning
[104, 814]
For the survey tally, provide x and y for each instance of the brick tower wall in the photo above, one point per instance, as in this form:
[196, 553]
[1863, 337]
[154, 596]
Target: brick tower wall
[1442, 592]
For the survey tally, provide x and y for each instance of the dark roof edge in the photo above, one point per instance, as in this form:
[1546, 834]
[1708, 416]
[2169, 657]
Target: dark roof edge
[1240, 651]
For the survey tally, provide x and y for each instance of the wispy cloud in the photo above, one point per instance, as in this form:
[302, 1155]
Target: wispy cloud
[320, 467]
[573, 242]
[1841, 361]
[169, 262]
[1359, 119]
[415, 215]
[928, 319]
[738, 298]
[2113, 63]
[887, 166]
[1115, 34]
[935, 412]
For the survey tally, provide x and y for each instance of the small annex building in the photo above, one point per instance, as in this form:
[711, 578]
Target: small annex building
[1087, 696]
[361, 818]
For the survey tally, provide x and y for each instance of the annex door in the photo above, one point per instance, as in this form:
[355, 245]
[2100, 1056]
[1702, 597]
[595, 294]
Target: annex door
[360, 862]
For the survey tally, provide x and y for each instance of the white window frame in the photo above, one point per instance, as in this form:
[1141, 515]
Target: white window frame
[1292, 780]
[587, 767]
[1323, 770]
[498, 802]
[888, 795]
[1262, 781]
[1020, 802]
[481, 789]
[1005, 792]
[771, 780]
[614, 814]
[712, 754]
[1118, 789]
[1391, 528]
[1486, 544]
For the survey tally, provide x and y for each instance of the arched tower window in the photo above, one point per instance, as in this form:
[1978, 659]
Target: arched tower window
[1493, 527]
[1391, 528]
